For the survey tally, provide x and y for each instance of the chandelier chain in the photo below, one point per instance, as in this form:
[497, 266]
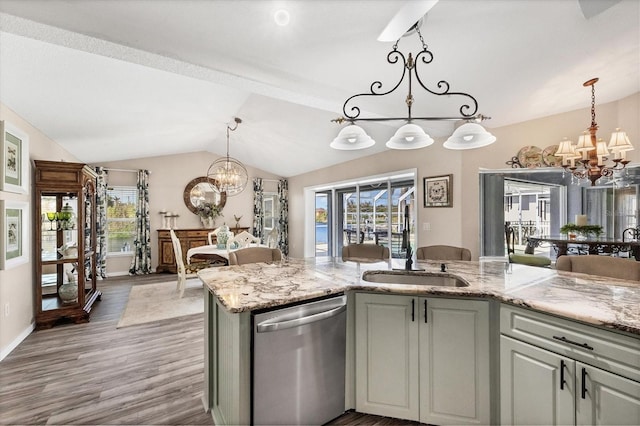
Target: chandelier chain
[593, 105]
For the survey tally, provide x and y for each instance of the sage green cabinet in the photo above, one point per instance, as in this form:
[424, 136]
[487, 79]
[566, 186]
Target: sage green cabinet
[423, 359]
[555, 371]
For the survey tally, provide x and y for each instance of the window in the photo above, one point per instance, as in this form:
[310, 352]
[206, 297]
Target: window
[369, 211]
[121, 218]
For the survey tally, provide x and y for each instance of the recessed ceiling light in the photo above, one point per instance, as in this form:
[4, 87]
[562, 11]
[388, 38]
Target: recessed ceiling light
[281, 17]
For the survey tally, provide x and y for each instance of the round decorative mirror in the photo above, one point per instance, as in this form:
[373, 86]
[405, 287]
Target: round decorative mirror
[199, 191]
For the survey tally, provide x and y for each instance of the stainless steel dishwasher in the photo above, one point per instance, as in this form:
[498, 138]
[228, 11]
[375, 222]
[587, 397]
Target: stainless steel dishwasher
[299, 363]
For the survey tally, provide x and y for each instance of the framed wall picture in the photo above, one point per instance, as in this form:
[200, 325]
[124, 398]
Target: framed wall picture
[438, 191]
[14, 159]
[14, 231]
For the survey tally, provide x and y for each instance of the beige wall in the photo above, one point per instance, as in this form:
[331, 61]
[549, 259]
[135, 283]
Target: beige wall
[459, 225]
[16, 284]
[169, 176]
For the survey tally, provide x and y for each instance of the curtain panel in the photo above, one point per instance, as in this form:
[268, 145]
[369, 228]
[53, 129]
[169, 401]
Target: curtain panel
[101, 222]
[283, 216]
[141, 262]
[258, 208]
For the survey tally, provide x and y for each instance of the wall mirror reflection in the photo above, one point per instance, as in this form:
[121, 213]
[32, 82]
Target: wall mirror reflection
[200, 191]
[538, 202]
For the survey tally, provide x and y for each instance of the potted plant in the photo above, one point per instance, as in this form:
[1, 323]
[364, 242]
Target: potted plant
[208, 213]
[571, 229]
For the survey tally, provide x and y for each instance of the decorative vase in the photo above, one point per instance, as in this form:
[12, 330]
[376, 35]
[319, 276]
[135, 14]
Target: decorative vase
[208, 222]
[68, 292]
[223, 236]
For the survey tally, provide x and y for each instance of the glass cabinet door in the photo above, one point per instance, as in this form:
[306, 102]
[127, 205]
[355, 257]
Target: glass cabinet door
[59, 250]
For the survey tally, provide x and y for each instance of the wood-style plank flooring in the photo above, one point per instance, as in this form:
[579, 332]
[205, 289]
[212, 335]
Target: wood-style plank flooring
[90, 374]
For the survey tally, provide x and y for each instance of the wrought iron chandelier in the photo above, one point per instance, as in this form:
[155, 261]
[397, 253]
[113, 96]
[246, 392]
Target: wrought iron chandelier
[411, 136]
[591, 152]
[229, 174]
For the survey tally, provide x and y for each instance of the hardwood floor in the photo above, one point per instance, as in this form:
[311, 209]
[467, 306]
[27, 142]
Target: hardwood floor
[89, 374]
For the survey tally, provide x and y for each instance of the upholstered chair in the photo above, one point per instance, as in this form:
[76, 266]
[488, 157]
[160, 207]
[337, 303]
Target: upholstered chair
[604, 266]
[365, 253]
[254, 255]
[522, 258]
[442, 252]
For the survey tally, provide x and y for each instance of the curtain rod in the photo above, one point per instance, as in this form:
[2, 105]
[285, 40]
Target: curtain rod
[271, 180]
[123, 170]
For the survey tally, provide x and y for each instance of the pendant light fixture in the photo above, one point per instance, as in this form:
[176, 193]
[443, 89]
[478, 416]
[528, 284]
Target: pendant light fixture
[591, 153]
[229, 174]
[410, 135]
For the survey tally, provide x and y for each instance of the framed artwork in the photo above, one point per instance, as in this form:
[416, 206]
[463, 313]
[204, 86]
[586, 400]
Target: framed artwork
[14, 159]
[438, 191]
[14, 231]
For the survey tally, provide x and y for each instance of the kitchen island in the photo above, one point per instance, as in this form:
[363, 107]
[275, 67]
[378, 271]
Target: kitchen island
[232, 293]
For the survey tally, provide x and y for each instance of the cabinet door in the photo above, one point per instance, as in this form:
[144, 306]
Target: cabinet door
[454, 362]
[606, 399]
[387, 355]
[536, 386]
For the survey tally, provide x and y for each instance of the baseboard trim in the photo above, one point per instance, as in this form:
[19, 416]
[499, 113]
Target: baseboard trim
[14, 344]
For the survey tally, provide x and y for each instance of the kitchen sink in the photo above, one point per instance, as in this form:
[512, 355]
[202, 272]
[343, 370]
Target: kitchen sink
[415, 278]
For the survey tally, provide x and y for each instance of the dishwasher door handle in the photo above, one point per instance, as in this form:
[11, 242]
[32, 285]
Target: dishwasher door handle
[267, 326]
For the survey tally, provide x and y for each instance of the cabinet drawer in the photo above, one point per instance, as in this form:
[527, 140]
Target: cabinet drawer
[601, 348]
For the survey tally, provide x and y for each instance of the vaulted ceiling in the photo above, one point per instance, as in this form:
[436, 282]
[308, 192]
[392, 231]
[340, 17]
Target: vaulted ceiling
[112, 80]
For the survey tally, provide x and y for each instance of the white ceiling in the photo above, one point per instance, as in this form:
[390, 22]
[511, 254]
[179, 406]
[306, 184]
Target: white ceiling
[122, 79]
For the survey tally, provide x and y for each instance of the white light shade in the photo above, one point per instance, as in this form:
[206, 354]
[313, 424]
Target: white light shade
[567, 150]
[352, 137]
[620, 142]
[409, 136]
[469, 136]
[584, 143]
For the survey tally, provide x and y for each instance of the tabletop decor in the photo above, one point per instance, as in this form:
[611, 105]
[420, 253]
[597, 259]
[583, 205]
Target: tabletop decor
[208, 213]
[437, 191]
[571, 229]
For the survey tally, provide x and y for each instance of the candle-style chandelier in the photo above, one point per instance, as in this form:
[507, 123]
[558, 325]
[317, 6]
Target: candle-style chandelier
[229, 174]
[411, 136]
[591, 152]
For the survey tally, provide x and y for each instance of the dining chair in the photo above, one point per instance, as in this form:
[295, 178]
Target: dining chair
[255, 255]
[182, 271]
[272, 238]
[604, 266]
[631, 234]
[213, 233]
[443, 252]
[243, 239]
[365, 253]
[522, 258]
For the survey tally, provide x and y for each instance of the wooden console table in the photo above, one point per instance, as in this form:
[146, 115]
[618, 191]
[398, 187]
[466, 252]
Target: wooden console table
[189, 238]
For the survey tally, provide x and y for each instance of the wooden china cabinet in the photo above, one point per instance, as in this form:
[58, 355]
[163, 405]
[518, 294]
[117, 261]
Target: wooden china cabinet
[65, 242]
[189, 238]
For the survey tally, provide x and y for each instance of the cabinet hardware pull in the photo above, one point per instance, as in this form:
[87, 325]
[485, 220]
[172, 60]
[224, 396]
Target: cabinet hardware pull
[425, 311]
[562, 365]
[571, 342]
[413, 309]
[584, 383]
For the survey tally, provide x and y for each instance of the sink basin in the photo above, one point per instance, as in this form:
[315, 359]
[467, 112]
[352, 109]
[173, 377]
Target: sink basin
[415, 278]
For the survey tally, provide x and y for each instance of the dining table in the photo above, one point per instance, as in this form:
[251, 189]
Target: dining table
[213, 252]
[589, 245]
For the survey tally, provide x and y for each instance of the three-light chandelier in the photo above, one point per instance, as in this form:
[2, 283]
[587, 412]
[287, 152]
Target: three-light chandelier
[591, 152]
[411, 136]
[228, 174]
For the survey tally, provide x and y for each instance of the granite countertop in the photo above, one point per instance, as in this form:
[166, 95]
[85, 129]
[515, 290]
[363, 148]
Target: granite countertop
[600, 301]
